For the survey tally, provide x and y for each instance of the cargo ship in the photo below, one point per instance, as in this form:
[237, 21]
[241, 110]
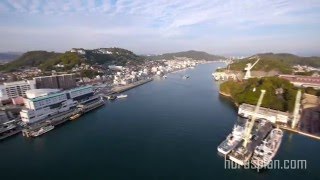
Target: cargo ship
[265, 152]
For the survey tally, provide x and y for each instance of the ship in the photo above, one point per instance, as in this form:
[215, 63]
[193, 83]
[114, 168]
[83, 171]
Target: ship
[112, 97]
[76, 116]
[122, 96]
[232, 140]
[185, 77]
[265, 152]
[242, 153]
[41, 131]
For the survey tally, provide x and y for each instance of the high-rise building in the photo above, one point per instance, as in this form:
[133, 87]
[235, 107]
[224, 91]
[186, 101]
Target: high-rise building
[64, 81]
[15, 89]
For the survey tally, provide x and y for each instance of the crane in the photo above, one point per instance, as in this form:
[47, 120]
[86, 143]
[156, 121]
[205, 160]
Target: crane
[249, 125]
[249, 67]
[296, 110]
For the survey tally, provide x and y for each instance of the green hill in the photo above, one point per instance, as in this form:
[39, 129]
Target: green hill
[279, 62]
[117, 56]
[197, 55]
[47, 60]
[242, 92]
[30, 59]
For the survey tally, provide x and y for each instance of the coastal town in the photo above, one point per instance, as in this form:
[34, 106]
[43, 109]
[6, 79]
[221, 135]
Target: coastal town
[35, 104]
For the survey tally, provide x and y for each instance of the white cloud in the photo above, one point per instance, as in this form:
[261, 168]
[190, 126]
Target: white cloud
[156, 23]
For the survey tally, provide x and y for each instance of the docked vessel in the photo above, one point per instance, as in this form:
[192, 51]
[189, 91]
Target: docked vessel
[242, 153]
[232, 140]
[42, 130]
[74, 117]
[122, 96]
[112, 97]
[265, 152]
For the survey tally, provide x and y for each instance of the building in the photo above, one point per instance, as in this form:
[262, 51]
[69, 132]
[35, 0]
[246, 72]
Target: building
[64, 81]
[274, 116]
[15, 89]
[44, 103]
[303, 81]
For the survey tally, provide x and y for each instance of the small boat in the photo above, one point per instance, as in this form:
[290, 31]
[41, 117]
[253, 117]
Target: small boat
[122, 96]
[74, 117]
[112, 97]
[165, 76]
[185, 77]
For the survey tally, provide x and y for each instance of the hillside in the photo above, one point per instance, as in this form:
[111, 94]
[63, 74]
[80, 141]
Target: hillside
[30, 59]
[47, 60]
[196, 55]
[117, 56]
[242, 92]
[279, 62]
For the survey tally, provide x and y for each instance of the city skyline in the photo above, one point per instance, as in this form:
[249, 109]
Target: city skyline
[155, 27]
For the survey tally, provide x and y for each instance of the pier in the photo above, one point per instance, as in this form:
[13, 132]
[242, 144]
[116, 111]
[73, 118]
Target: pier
[300, 132]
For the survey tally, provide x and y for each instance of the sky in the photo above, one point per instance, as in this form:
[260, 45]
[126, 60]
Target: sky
[224, 27]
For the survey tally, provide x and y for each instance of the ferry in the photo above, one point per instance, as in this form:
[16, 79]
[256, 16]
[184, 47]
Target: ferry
[265, 152]
[74, 117]
[122, 96]
[233, 139]
[42, 130]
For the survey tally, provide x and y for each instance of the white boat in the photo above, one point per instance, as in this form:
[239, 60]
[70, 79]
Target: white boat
[122, 96]
[185, 77]
[232, 140]
[165, 76]
[42, 130]
[265, 152]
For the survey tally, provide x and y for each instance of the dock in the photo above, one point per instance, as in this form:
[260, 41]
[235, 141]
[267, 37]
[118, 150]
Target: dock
[61, 118]
[124, 88]
[300, 132]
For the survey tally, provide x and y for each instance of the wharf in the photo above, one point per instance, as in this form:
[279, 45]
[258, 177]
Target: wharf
[62, 117]
[121, 89]
[9, 133]
[300, 132]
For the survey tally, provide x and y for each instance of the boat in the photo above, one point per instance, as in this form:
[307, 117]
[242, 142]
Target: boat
[185, 77]
[232, 140]
[112, 97]
[74, 117]
[242, 153]
[42, 130]
[265, 152]
[122, 96]
[165, 76]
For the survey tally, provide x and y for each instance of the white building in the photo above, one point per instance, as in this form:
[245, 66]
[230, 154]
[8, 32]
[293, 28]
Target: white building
[15, 89]
[44, 103]
[274, 116]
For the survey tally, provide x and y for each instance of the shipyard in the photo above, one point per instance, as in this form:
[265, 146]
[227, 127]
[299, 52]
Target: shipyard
[258, 140]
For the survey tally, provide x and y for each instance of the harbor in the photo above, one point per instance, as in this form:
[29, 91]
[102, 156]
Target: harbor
[168, 134]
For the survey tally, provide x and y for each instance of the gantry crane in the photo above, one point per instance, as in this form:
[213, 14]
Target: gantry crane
[249, 125]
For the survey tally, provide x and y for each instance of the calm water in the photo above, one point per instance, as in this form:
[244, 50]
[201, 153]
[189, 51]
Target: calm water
[166, 129]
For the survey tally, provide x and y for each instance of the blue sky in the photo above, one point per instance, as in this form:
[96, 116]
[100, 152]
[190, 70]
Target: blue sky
[226, 27]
